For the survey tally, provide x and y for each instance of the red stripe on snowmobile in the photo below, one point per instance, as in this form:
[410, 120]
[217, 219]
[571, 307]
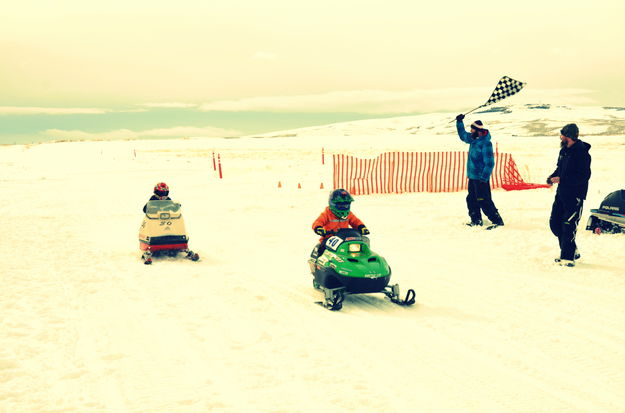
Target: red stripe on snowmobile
[147, 247]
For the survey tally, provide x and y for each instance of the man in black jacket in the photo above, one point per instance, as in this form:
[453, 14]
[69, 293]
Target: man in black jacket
[571, 175]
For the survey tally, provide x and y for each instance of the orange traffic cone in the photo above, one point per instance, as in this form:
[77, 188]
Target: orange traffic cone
[279, 184]
[321, 186]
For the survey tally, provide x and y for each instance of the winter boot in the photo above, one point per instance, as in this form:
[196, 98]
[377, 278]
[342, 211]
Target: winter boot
[565, 263]
[496, 219]
[577, 256]
[475, 223]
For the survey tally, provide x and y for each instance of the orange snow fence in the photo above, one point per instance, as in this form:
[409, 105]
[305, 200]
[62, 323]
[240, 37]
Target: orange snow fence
[399, 172]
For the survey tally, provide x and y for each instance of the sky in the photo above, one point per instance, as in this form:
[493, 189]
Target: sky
[139, 68]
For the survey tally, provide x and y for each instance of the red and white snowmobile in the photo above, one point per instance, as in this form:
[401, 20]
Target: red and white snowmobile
[163, 233]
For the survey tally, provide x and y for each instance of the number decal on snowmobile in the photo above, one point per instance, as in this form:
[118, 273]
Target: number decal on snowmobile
[334, 242]
[168, 223]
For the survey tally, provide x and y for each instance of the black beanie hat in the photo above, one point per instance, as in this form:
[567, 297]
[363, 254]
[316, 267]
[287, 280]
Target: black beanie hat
[570, 131]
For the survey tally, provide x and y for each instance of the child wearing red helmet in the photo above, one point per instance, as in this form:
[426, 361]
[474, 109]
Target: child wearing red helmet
[161, 192]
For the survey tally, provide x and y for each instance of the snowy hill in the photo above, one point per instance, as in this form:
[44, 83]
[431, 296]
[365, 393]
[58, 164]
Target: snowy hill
[497, 327]
[527, 120]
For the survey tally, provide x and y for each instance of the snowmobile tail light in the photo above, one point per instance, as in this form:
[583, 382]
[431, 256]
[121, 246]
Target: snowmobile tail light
[354, 247]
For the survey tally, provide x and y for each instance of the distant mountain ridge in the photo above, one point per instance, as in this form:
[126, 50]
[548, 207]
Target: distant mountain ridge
[523, 120]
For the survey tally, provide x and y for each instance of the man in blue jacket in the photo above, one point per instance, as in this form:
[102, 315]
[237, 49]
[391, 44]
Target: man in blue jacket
[479, 168]
[572, 175]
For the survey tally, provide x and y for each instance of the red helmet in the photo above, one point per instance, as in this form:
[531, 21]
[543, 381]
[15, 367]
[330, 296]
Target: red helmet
[161, 189]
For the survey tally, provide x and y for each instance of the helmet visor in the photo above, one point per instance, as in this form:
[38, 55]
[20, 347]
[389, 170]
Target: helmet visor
[342, 206]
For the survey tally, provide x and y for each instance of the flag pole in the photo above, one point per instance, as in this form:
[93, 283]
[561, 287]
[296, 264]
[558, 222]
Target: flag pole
[472, 110]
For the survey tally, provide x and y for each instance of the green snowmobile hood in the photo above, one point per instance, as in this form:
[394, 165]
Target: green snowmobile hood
[354, 259]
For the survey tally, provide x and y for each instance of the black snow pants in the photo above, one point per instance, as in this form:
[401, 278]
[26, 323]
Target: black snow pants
[479, 199]
[565, 214]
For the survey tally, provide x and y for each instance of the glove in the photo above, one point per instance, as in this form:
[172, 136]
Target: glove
[320, 231]
[460, 118]
[363, 230]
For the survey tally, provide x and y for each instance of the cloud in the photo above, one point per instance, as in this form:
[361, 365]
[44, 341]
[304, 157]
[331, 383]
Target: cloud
[561, 96]
[31, 110]
[392, 102]
[175, 132]
[171, 105]
[260, 55]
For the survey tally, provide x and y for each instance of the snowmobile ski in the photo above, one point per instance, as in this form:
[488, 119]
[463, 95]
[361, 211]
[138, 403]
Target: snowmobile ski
[392, 293]
[333, 299]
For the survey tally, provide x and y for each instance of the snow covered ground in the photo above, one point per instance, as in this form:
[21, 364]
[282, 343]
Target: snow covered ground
[497, 327]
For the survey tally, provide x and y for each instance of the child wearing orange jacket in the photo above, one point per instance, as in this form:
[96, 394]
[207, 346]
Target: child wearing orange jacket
[337, 215]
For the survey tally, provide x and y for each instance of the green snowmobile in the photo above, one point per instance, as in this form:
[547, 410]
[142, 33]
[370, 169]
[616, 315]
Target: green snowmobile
[347, 266]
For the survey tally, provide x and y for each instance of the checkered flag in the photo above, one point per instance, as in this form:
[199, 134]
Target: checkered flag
[505, 88]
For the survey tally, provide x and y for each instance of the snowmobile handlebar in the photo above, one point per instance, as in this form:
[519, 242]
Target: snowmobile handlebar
[345, 231]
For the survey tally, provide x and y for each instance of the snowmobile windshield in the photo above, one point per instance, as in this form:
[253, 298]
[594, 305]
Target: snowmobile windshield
[157, 206]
